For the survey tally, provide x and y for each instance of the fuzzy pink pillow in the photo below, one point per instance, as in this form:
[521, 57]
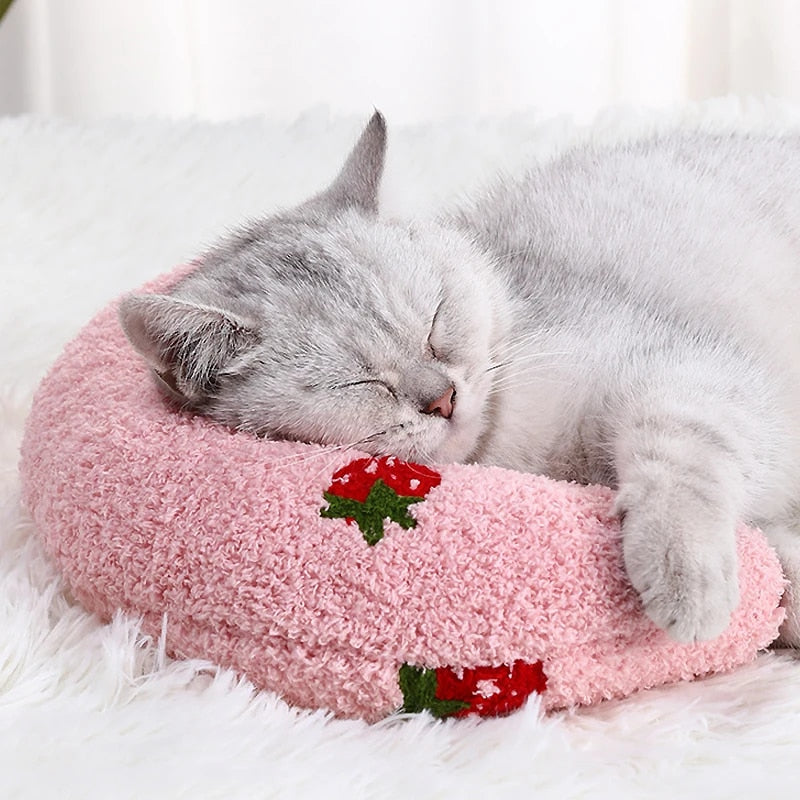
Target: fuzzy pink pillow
[343, 582]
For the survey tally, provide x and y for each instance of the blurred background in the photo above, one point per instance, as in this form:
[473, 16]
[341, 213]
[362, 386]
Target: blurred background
[416, 59]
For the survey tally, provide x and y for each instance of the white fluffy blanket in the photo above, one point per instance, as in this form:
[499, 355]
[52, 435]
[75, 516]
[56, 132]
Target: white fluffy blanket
[88, 210]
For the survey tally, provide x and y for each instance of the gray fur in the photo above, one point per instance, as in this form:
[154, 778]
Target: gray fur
[622, 315]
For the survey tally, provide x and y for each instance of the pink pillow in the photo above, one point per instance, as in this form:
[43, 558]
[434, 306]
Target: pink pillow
[343, 582]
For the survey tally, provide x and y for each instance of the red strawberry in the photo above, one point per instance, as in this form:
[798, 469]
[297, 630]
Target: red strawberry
[486, 691]
[355, 479]
[370, 490]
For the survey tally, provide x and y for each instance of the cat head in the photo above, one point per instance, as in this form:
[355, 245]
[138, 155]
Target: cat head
[328, 324]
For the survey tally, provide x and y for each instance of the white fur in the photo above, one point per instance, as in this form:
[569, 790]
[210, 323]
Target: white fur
[92, 711]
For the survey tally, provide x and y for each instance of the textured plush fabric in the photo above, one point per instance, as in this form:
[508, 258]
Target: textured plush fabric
[218, 538]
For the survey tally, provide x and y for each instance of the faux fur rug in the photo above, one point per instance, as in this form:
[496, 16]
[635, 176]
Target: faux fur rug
[88, 210]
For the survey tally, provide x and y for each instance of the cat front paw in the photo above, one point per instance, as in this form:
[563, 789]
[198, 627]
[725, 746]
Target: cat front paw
[684, 569]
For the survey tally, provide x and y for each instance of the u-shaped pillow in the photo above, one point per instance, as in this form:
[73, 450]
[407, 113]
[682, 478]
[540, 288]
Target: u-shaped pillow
[343, 582]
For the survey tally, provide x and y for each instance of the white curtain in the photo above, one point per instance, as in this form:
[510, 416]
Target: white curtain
[414, 59]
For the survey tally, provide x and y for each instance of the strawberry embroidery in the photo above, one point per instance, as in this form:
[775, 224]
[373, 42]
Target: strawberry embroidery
[369, 491]
[486, 691]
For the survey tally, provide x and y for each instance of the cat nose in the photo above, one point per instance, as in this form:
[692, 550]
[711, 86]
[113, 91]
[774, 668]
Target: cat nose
[442, 406]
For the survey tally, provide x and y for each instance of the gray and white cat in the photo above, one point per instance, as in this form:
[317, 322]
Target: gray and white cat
[622, 315]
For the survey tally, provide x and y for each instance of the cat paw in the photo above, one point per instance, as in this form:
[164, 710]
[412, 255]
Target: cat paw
[684, 571]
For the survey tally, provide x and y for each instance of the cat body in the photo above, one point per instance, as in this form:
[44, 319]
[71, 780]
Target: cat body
[621, 315]
[646, 258]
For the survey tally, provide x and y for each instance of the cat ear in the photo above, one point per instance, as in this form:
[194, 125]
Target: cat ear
[356, 186]
[186, 344]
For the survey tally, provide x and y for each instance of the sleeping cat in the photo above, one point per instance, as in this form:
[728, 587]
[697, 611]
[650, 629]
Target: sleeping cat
[621, 315]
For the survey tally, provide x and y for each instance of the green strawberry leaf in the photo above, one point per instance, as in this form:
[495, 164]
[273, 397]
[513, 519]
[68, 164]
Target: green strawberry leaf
[382, 503]
[418, 686]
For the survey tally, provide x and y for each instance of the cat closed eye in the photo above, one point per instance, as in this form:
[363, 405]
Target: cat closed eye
[434, 344]
[370, 382]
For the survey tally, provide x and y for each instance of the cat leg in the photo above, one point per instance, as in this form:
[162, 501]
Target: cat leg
[681, 493]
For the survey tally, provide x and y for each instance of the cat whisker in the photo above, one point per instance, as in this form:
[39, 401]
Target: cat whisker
[370, 438]
[324, 450]
[512, 385]
[527, 358]
[300, 458]
[523, 348]
[529, 336]
[532, 334]
[524, 370]
[522, 341]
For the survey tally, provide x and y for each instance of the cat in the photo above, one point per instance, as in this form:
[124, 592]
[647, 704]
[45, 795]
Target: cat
[621, 315]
